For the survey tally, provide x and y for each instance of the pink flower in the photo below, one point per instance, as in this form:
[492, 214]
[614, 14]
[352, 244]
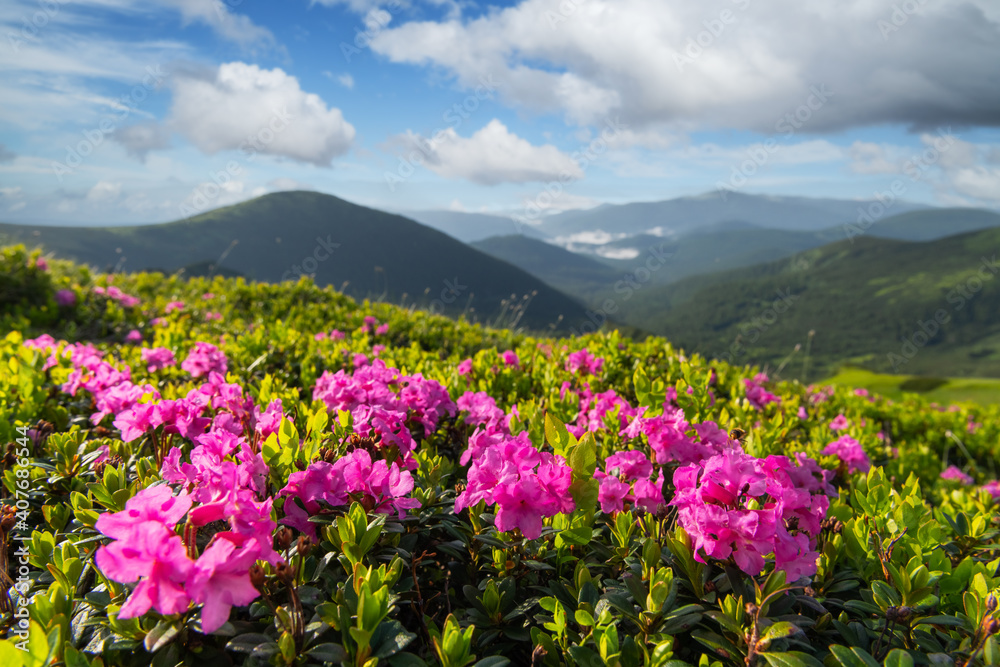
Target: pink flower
[584, 361]
[802, 414]
[66, 297]
[850, 452]
[158, 358]
[320, 336]
[612, 494]
[221, 580]
[336, 334]
[172, 306]
[205, 358]
[839, 423]
[992, 488]
[382, 330]
[759, 397]
[631, 465]
[973, 426]
[359, 360]
[41, 264]
[207, 296]
[955, 474]
[465, 367]
[510, 358]
[517, 503]
[212, 316]
[133, 336]
[860, 392]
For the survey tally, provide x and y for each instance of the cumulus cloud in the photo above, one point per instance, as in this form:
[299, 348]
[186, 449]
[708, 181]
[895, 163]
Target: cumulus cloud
[660, 61]
[140, 139]
[871, 158]
[241, 106]
[104, 191]
[491, 156]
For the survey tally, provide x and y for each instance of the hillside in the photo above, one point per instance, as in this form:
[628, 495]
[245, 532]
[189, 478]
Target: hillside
[470, 227]
[368, 253]
[574, 274]
[863, 301]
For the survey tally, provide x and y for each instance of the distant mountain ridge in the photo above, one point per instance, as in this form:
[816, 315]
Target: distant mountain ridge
[371, 254]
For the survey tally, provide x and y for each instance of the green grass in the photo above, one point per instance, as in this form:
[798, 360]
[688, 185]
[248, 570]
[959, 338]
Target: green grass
[982, 391]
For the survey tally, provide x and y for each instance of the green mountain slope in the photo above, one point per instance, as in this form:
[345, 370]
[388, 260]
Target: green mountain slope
[371, 254]
[865, 301]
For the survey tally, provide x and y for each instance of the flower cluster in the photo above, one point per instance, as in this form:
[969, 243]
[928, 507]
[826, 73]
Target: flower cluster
[205, 358]
[955, 474]
[115, 294]
[851, 454]
[377, 485]
[758, 396]
[147, 549]
[526, 485]
[584, 362]
[626, 478]
[735, 505]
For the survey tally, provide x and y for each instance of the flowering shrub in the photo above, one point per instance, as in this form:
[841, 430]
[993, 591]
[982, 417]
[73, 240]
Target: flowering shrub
[407, 490]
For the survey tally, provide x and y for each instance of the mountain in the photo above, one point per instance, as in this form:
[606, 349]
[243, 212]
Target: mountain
[367, 253]
[925, 225]
[568, 272]
[912, 307]
[471, 227]
[685, 215]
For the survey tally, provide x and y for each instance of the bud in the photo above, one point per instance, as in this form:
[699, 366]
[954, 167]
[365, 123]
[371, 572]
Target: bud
[751, 608]
[9, 518]
[284, 573]
[304, 545]
[538, 656]
[283, 538]
[257, 577]
[991, 603]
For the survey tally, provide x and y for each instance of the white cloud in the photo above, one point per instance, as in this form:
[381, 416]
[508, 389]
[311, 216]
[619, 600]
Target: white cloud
[216, 14]
[15, 192]
[980, 182]
[871, 158]
[16, 206]
[590, 60]
[105, 191]
[346, 80]
[244, 107]
[491, 156]
[140, 139]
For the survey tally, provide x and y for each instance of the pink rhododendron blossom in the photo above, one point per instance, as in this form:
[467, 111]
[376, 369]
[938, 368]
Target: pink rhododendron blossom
[993, 488]
[839, 423]
[973, 426]
[205, 358]
[336, 334]
[382, 329]
[510, 358]
[320, 336]
[133, 336]
[954, 473]
[482, 410]
[158, 358]
[382, 487]
[860, 392]
[213, 317]
[465, 367]
[850, 452]
[66, 297]
[734, 505]
[802, 414]
[526, 485]
[220, 580]
[585, 362]
[172, 306]
[41, 264]
[758, 396]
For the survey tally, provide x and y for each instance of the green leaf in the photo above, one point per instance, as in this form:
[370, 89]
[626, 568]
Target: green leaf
[791, 659]
[852, 657]
[246, 643]
[328, 653]
[779, 631]
[556, 434]
[583, 457]
[160, 635]
[493, 661]
[898, 658]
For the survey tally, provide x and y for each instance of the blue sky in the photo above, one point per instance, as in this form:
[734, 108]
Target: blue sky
[118, 111]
